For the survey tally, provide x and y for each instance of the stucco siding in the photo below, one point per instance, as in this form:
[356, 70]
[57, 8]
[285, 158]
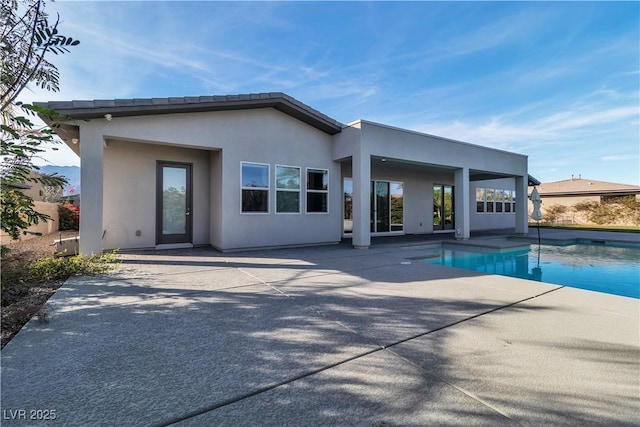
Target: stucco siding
[568, 200]
[401, 144]
[491, 220]
[285, 142]
[230, 137]
[255, 130]
[216, 213]
[130, 192]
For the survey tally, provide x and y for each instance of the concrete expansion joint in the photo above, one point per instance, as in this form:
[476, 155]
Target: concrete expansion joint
[450, 384]
[264, 283]
[493, 310]
[315, 310]
[264, 389]
[376, 349]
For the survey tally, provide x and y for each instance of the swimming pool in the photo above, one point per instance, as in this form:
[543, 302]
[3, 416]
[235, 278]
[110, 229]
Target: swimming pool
[603, 268]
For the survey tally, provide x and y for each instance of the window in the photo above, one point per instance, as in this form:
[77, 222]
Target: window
[255, 187]
[479, 200]
[317, 190]
[499, 199]
[507, 200]
[287, 189]
[490, 199]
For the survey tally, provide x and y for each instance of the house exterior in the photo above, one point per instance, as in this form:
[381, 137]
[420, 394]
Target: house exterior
[45, 200]
[570, 192]
[265, 170]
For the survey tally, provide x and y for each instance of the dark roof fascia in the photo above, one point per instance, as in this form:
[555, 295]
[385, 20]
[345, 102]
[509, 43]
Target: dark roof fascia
[533, 181]
[82, 110]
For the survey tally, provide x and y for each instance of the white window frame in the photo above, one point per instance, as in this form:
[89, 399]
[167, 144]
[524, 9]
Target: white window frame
[299, 190]
[483, 200]
[508, 200]
[267, 189]
[499, 202]
[493, 201]
[306, 175]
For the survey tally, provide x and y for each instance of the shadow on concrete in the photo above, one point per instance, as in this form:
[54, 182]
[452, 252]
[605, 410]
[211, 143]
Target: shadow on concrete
[177, 337]
[176, 354]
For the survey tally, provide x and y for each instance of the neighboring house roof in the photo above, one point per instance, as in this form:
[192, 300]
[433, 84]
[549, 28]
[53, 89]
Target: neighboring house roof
[188, 104]
[18, 186]
[582, 186]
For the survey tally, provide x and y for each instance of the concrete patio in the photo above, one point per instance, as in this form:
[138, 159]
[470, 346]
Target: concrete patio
[323, 336]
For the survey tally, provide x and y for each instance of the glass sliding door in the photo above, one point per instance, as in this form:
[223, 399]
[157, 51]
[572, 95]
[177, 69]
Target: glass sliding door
[443, 207]
[397, 206]
[347, 188]
[382, 207]
[448, 207]
[386, 206]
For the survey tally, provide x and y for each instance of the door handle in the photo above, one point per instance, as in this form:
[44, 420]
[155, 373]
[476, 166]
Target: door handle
[188, 212]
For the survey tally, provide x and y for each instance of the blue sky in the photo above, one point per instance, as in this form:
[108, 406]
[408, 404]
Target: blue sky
[558, 82]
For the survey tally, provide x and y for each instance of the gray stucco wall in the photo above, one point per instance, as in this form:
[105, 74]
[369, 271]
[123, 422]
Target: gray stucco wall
[403, 144]
[130, 192]
[487, 220]
[216, 144]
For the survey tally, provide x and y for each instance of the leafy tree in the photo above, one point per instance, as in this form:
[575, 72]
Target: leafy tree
[554, 212]
[630, 206]
[26, 38]
[623, 210]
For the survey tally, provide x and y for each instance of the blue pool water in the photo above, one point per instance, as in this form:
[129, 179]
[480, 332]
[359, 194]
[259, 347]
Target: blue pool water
[602, 268]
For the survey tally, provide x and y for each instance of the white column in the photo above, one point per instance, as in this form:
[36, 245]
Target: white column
[522, 204]
[361, 168]
[91, 181]
[462, 205]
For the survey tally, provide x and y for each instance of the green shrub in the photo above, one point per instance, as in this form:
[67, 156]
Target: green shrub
[553, 213]
[599, 213]
[52, 268]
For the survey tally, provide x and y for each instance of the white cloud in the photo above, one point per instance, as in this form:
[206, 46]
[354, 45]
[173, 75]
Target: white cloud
[620, 157]
[577, 119]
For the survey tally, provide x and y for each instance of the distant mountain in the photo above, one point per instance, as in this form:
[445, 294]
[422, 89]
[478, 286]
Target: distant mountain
[71, 173]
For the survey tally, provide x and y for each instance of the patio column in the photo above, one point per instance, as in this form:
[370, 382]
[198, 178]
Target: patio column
[522, 204]
[461, 195]
[361, 169]
[91, 179]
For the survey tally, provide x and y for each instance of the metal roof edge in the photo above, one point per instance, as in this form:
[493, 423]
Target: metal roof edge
[151, 106]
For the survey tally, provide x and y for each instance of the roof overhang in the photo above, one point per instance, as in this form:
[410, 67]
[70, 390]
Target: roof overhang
[484, 176]
[87, 110]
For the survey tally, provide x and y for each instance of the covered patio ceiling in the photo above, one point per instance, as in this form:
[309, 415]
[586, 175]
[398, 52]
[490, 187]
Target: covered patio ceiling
[474, 175]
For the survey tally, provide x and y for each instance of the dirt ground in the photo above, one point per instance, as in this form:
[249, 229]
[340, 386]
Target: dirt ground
[20, 302]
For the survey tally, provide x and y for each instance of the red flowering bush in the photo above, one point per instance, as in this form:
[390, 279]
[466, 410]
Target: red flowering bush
[69, 216]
